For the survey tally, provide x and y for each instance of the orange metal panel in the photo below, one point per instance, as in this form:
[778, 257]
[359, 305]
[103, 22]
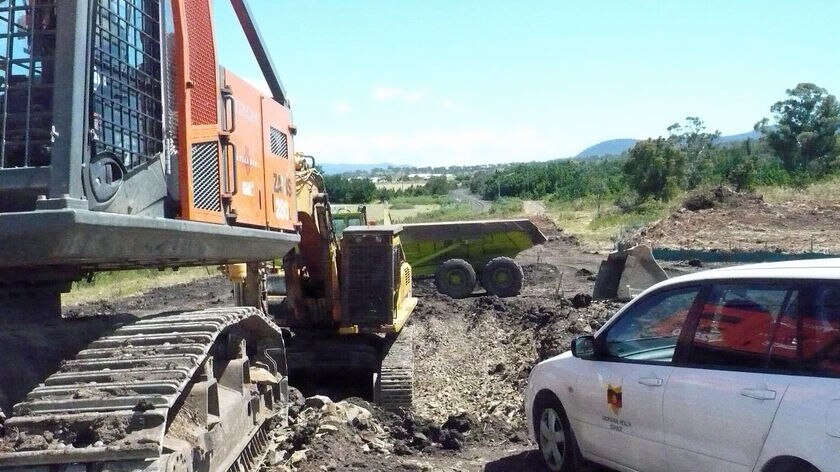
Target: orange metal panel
[248, 199]
[197, 95]
[281, 210]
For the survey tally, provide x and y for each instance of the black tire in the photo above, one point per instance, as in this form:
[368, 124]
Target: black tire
[790, 464]
[456, 278]
[502, 277]
[554, 436]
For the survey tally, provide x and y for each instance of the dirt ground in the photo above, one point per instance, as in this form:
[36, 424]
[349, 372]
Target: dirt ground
[472, 356]
[472, 359]
[724, 220]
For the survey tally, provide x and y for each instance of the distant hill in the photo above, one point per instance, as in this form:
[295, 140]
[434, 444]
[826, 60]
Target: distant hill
[734, 138]
[608, 148]
[332, 169]
[617, 146]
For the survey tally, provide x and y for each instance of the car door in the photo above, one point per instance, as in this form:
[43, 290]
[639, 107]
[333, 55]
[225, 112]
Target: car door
[806, 348]
[619, 395]
[720, 400]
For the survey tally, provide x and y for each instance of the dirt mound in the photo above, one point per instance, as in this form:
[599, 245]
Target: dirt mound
[476, 354]
[354, 434]
[552, 233]
[719, 196]
[472, 361]
[723, 220]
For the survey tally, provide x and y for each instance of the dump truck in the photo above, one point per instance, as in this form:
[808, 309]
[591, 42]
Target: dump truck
[459, 255]
[126, 145]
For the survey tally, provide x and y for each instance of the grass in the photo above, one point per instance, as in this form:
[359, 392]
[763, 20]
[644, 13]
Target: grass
[827, 190]
[447, 212]
[457, 211]
[597, 227]
[125, 283]
[401, 185]
[420, 200]
[376, 211]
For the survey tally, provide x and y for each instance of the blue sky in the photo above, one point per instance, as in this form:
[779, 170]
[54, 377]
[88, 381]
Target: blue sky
[467, 82]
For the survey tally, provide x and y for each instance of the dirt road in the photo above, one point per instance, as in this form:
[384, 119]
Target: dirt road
[464, 195]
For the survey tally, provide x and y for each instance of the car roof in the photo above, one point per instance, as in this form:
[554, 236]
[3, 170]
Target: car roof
[828, 268]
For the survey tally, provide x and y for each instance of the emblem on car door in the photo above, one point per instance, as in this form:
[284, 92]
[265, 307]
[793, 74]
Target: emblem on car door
[614, 398]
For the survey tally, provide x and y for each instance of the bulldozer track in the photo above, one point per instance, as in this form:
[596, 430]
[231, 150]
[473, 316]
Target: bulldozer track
[167, 393]
[394, 388]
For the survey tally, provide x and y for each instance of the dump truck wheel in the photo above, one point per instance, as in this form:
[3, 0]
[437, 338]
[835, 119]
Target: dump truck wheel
[502, 277]
[456, 278]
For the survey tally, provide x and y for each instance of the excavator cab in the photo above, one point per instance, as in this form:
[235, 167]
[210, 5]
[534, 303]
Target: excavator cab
[124, 144]
[344, 217]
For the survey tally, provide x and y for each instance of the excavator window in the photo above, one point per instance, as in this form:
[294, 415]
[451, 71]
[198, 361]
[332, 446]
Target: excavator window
[27, 69]
[127, 80]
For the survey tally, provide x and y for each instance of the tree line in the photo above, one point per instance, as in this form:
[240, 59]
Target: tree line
[363, 190]
[797, 146]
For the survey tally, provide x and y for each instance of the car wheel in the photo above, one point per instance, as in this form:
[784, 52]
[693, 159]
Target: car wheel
[502, 277]
[791, 465]
[456, 278]
[555, 438]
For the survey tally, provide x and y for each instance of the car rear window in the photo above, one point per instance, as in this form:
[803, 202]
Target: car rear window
[807, 340]
[737, 322]
[783, 327]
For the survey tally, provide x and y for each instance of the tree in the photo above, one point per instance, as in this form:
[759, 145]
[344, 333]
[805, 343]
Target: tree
[354, 190]
[437, 185]
[697, 145]
[804, 133]
[655, 169]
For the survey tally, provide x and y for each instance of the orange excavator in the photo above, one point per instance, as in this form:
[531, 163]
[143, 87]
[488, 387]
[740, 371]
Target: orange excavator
[126, 145]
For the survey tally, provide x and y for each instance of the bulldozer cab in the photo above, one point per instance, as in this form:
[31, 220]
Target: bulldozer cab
[345, 217]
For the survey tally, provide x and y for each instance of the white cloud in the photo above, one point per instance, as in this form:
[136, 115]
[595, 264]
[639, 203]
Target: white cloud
[341, 107]
[431, 147]
[384, 94]
[387, 94]
[414, 97]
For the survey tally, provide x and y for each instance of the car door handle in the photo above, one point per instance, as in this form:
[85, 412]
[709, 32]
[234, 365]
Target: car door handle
[651, 381]
[759, 393]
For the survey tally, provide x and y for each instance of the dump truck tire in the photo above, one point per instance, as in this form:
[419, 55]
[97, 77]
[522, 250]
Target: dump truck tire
[456, 278]
[502, 277]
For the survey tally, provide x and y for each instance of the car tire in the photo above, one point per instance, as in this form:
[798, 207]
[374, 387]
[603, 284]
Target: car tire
[502, 277]
[554, 436]
[791, 465]
[456, 278]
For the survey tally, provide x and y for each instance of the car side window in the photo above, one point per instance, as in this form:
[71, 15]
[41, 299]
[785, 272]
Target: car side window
[737, 323]
[807, 340]
[650, 328]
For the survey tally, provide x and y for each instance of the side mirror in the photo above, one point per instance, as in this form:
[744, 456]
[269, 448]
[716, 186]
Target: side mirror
[583, 347]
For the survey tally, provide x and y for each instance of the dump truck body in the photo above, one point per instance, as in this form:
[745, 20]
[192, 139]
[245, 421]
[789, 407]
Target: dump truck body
[428, 245]
[460, 254]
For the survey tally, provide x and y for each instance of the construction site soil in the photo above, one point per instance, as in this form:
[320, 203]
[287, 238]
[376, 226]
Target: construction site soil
[721, 219]
[472, 360]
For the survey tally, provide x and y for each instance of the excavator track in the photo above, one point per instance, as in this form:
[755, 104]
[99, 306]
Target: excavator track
[394, 384]
[194, 391]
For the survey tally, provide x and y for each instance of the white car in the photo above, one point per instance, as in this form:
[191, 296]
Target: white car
[734, 369]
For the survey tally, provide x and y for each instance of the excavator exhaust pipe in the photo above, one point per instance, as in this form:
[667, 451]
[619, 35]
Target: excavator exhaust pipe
[625, 274]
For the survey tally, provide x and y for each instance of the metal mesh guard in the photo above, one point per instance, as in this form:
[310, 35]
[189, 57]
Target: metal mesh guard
[205, 174]
[279, 144]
